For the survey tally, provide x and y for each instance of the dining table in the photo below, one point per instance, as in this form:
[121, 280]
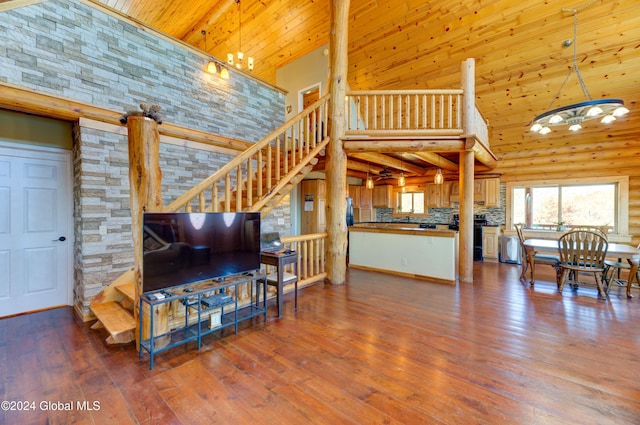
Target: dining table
[615, 250]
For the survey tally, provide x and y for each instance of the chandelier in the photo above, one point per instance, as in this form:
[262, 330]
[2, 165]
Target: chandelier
[607, 110]
[238, 60]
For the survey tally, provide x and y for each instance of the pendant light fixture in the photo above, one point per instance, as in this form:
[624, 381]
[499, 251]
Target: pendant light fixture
[369, 179]
[212, 67]
[438, 178]
[401, 180]
[238, 60]
[575, 114]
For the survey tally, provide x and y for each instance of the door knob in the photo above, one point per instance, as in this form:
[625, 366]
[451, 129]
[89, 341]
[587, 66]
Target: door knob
[60, 239]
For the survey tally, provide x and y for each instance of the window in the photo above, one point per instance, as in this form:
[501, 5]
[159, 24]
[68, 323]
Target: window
[410, 202]
[594, 202]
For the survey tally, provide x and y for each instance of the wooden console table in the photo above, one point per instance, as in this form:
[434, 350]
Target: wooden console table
[279, 260]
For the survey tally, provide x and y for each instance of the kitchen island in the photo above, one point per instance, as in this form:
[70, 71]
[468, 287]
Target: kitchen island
[409, 251]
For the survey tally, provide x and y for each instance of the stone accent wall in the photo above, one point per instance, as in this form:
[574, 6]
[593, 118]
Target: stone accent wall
[68, 49]
[101, 198]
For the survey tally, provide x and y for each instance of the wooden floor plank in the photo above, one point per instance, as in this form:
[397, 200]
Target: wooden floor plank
[380, 349]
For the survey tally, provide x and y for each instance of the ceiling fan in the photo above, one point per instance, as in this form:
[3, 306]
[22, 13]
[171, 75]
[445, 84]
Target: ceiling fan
[385, 174]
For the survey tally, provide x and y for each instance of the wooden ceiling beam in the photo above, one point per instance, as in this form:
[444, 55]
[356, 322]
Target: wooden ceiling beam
[484, 154]
[437, 160]
[453, 144]
[389, 161]
[359, 166]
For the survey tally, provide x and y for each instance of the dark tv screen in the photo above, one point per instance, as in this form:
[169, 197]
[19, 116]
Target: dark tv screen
[184, 248]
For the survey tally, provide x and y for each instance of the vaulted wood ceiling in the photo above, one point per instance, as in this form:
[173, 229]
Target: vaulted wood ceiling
[404, 44]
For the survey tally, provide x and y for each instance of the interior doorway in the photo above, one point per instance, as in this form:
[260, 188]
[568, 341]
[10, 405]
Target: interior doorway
[36, 228]
[308, 95]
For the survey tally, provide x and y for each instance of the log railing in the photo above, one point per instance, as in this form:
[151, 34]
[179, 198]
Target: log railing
[412, 113]
[246, 182]
[311, 257]
[404, 112]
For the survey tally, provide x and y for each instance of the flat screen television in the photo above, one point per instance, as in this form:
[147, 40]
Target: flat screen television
[184, 248]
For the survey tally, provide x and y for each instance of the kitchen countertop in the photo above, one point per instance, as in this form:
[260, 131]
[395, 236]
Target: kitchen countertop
[398, 228]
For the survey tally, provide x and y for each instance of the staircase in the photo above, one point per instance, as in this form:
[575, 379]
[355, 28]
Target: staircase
[255, 181]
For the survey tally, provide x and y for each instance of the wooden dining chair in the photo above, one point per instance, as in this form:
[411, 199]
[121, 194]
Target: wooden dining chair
[531, 257]
[612, 271]
[602, 230]
[583, 251]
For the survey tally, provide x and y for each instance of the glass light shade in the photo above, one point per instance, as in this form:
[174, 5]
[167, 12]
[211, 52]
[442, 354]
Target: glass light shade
[224, 74]
[575, 127]
[620, 111]
[555, 119]
[608, 119]
[369, 182]
[438, 178]
[212, 68]
[401, 180]
[536, 128]
[594, 111]
[545, 130]
[230, 58]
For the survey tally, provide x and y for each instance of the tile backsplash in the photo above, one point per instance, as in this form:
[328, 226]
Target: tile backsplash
[445, 215]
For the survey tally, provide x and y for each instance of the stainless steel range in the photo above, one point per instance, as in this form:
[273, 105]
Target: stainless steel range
[479, 221]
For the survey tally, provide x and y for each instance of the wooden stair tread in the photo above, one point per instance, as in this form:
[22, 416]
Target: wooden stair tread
[128, 291]
[115, 318]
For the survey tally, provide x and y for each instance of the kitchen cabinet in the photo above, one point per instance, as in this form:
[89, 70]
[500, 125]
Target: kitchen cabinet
[313, 214]
[364, 215]
[354, 194]
[492, 193]
[383, 196]
[485, 191]
[433, 193]
[362, 203]
[454, 192]
[478, 190]
[490, 239]
[438, 195]
[366, 197]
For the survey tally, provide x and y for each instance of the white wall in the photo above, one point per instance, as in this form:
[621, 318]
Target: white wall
[309, 70]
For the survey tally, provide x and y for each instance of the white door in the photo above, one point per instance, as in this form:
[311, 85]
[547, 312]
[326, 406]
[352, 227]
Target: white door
[35, 228]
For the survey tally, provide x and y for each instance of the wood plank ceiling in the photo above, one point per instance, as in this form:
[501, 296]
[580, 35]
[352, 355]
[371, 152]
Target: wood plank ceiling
[406, 44]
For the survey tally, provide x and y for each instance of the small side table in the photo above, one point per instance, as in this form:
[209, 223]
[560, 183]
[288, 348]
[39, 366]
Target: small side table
[279, 260]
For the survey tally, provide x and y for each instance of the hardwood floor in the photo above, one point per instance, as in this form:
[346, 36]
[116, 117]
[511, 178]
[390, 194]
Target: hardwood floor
[381, 349]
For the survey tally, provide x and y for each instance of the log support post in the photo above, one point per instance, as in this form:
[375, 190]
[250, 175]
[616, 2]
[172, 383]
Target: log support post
[465, 258]
[145, 181]
[336, 168]
[467, 170]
